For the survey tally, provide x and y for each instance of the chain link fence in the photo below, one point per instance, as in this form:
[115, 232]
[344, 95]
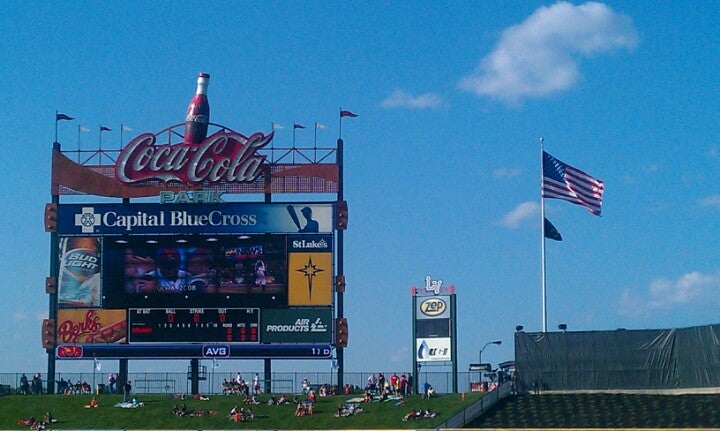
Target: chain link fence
[212, 381]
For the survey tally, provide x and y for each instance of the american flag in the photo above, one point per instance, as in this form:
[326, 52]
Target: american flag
[562, 181]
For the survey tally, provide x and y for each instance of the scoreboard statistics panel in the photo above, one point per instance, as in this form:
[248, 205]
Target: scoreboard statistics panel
[194, 325]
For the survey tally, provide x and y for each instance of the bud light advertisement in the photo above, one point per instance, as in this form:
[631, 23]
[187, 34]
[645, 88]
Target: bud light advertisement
[79, 275]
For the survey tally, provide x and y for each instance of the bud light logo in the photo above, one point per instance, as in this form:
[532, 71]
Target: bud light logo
[433, 307]
[216, 351]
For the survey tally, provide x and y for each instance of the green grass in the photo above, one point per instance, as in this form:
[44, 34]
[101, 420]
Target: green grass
[156, 413]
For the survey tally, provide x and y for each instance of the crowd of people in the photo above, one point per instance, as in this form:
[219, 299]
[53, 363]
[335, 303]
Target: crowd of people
[197, 269]
[184, 411]
[395, 385]
[378, 388]
[34, 386]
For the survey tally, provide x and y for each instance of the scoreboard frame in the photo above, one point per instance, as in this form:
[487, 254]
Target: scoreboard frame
[148, 331]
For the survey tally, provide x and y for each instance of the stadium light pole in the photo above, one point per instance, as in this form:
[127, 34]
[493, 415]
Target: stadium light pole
[498, 342]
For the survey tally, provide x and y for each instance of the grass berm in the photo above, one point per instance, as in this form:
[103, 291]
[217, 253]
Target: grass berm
[156, 412]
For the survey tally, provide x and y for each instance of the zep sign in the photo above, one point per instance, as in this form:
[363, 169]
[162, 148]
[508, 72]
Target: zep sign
[434, 307]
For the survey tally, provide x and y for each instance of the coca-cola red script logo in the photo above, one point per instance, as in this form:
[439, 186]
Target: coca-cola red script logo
[223, 156]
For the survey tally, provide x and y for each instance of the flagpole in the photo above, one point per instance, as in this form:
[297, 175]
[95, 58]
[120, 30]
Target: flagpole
[56, 121]
[272, 143]
[79, 127]
[542, 236]
[340, 128]
[100, 146]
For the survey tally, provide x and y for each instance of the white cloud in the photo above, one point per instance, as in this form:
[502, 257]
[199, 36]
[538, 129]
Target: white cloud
[399, 355]
[664, 294]
[539, 56]
[19, 315]
[522, 212]
[506, 173]
[711, 201]
[400, 99]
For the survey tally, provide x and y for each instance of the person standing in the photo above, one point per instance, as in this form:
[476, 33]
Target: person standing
[256, 384]
[111, 383]
[126, 391]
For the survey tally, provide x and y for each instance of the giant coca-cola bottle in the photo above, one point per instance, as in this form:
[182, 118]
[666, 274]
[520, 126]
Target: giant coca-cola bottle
[198, 114]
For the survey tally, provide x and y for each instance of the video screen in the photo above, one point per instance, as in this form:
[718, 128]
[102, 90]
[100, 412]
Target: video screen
[195, 271]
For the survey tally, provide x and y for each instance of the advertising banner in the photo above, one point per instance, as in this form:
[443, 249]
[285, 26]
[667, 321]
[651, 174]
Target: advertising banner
[79, 276]
[88, 326]
[297, 325]
[433, 349]
[220, 218]
[310, 269]
[434, 307]
[310, 279]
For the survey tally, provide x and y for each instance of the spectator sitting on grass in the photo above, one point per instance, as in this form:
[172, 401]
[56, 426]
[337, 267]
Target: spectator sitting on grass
[368, 397]
[93, 404]
[429, 391]
[49, 418]
[27, 422]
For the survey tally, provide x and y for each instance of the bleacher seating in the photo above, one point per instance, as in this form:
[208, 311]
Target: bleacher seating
[598, 410]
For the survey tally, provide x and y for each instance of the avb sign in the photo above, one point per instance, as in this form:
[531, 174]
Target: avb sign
[118, 219]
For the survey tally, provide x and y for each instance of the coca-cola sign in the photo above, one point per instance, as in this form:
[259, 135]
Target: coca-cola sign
[222, 157]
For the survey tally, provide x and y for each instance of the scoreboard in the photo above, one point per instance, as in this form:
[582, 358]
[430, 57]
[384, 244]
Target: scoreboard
[194, 325]
[190, 295]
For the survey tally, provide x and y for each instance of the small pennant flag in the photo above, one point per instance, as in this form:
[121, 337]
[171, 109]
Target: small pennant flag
[83, 129]
[105, 129]
[298, 126]
[319, 126]
[125, 128]
[98, 367]
[277, 126]
[551, 232]
[59, 117]
[347, 114]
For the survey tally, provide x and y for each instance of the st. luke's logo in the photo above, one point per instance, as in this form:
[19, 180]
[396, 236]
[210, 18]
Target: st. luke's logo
[310, 279]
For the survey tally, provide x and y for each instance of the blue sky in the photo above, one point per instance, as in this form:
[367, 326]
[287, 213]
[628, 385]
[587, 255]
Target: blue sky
[442, 164]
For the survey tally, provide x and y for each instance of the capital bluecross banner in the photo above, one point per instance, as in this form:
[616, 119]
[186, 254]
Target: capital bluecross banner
[220, 218]
[297, 325]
